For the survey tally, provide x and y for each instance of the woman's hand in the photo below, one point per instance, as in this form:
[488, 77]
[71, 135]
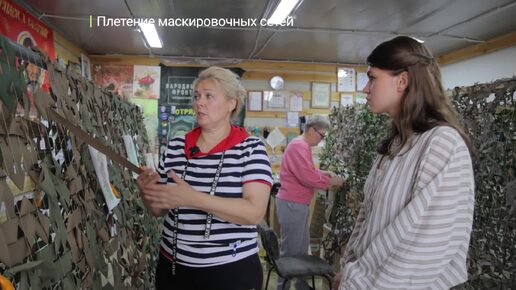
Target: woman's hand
[336, 181]
[168, 196]
[329, 173]
[147, 178]
[160, 198]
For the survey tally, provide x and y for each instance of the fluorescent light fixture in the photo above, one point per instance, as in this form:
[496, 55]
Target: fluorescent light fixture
[151, 35]
[282, 11]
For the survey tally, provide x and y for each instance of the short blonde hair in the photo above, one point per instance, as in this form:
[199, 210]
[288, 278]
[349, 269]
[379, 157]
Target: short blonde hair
[229, 82]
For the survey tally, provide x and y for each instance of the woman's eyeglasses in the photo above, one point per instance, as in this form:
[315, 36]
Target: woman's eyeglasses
[320, 134]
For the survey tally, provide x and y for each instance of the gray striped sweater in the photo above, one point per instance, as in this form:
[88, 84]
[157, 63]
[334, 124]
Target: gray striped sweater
[413, 229]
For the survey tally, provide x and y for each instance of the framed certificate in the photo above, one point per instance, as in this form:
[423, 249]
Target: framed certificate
[345, 79]
[321, 93]
[254, 101]
[346, 100]
[275, 100]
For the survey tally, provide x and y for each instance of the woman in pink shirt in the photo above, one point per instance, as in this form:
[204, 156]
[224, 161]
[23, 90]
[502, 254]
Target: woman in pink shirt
[299, 179]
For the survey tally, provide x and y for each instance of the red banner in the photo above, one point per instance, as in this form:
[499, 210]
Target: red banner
[20, 26]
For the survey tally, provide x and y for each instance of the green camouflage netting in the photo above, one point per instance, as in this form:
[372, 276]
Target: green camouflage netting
[56, 231]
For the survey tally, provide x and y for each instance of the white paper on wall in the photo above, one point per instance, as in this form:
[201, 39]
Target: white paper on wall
[275, 138]
[296, 102]
[131, 152]
[292, 119]
[101, 170]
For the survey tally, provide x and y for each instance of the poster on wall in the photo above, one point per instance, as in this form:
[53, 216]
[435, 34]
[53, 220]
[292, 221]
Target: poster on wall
[179, 90]
[37, 84]
[175, 93]
[146, 82]
[176, 85]
[20, 26]
[174, 121]
[115, 77]
[182, 121]
[150, 115]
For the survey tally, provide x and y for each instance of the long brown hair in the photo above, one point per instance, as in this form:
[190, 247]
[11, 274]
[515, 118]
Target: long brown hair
[424, 104]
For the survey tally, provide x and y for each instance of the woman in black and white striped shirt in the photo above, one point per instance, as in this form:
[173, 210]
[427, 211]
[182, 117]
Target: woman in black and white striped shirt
[213, 186]
[414, 226]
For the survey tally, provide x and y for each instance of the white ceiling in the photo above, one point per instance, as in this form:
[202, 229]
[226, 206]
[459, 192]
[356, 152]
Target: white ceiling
[331, 31]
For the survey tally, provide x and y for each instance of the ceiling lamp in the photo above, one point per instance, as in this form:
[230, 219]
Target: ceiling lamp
[151, 35]
[283, 9]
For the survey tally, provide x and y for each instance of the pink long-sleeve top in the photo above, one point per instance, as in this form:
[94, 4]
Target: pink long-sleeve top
[298, 175]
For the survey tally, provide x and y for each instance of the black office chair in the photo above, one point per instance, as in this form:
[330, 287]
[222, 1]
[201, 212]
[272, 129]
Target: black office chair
[290, 267]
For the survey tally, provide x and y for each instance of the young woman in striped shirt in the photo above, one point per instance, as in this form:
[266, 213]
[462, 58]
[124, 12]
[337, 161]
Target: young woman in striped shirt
[414, 226]
[213, 187]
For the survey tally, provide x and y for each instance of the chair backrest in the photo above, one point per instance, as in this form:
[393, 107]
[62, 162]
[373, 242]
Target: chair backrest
[269, 241]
